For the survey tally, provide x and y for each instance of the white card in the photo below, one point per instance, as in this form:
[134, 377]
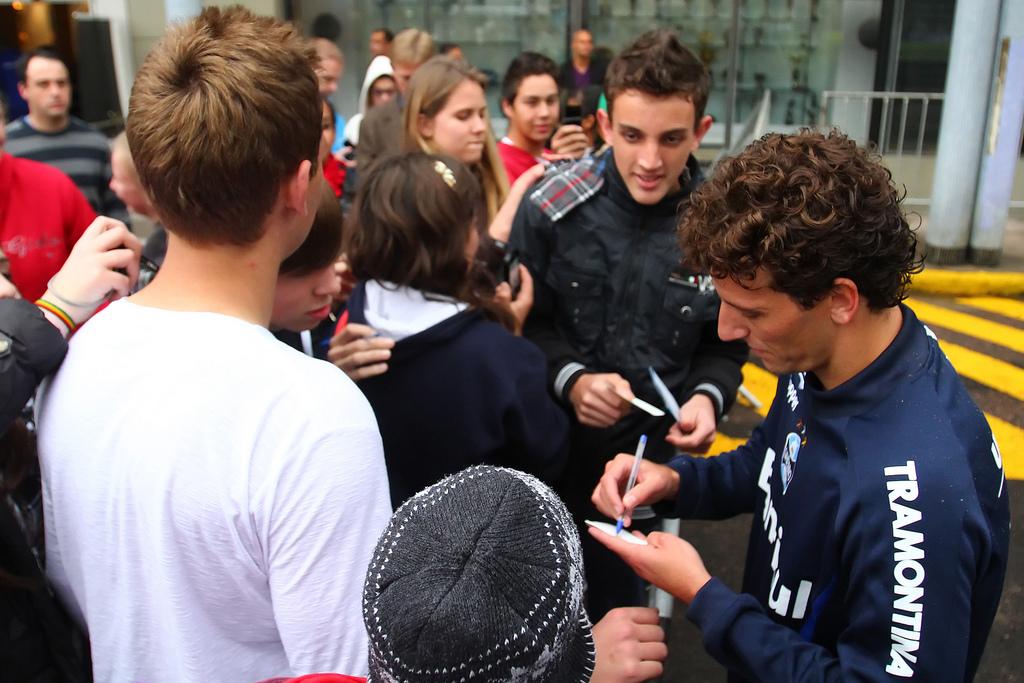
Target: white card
[610, 530]
[641, 404]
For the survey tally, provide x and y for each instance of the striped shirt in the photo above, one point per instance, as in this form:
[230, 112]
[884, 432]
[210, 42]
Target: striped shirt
[80, 151]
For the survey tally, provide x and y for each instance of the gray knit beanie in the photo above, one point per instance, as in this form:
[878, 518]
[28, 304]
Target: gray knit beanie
[479, 578]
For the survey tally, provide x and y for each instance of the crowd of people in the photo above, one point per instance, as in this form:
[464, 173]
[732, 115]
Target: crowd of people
[350, 405]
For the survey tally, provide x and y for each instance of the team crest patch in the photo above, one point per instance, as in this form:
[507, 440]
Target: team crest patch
[787, 464]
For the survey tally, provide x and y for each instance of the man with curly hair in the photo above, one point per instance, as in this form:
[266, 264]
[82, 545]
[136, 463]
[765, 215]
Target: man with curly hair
[881, 522]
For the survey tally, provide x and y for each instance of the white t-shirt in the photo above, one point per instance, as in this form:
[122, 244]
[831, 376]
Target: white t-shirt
[212, 499]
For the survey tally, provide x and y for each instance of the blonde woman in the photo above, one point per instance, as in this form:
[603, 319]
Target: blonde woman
[447, 114]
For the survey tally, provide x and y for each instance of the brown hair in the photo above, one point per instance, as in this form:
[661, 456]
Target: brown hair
[412, 46]
[429, 90]
[323, 244]
[657, 64]
[807, 208]
[411, 223]
[523, 65]
[223, 111]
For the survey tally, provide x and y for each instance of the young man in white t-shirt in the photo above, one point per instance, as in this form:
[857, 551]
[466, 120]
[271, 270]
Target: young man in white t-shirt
[213, 497]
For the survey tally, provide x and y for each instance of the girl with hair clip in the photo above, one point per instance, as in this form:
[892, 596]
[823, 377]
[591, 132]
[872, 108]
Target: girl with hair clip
[446, 113]
[460, 388]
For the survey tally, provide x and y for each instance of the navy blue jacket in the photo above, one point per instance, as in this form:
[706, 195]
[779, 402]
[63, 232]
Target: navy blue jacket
[463, 392]
[880, 533]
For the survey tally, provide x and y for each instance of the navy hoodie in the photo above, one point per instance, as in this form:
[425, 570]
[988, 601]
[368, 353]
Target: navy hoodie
[463, 392]
[880, 533]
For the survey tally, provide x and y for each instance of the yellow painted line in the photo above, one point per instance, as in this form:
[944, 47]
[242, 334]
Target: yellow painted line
[1011, 446]
[761, 384]
[992, 372]
[1010, 308]
[968, 282]
[997, 333]
[724, 444]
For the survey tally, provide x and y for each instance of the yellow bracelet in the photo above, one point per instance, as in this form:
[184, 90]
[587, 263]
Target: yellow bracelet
[59, 312]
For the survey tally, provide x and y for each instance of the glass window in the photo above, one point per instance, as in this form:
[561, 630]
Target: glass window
[490, 32]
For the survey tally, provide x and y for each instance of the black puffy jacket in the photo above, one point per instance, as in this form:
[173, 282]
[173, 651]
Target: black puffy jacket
[612, 295]
[30, 349]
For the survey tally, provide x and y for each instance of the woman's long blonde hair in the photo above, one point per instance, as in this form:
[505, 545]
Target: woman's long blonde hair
[429, 90]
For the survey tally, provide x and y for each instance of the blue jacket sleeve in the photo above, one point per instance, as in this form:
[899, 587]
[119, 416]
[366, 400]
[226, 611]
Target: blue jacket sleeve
[718, 487]
[721, 486]
[913, 545]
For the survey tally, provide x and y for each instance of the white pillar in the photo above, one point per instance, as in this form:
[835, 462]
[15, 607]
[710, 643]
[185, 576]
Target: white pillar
[1002, 141]
[961, 135]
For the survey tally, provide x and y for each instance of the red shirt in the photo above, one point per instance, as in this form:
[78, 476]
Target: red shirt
[516, 160]
[42, 215]
[334, 174]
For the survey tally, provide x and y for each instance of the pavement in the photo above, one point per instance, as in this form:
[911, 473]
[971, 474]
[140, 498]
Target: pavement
[978, 316]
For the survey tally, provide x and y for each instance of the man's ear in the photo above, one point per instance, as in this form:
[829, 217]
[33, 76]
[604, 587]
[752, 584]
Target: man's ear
[844, 300]
[425, 126]
[605, 123]
[296, 188]
[21, 91]
[702, 128]
[506, 108]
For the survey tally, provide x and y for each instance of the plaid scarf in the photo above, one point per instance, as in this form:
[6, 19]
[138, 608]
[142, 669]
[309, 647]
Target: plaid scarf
[566, 186]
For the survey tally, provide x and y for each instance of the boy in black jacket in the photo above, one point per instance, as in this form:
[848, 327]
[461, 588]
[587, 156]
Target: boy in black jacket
[879, 540]
[611, 299]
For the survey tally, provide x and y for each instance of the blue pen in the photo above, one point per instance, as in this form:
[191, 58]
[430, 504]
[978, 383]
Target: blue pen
[632, 475]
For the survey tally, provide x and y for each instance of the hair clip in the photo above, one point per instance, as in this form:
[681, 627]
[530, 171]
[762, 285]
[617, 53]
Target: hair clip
[446, 173]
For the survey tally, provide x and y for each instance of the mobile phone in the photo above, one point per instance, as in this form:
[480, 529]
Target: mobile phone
[573, 115]
[510, 272]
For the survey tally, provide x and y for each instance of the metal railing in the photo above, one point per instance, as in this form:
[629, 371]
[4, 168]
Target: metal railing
[895, 113]
[890, 102]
